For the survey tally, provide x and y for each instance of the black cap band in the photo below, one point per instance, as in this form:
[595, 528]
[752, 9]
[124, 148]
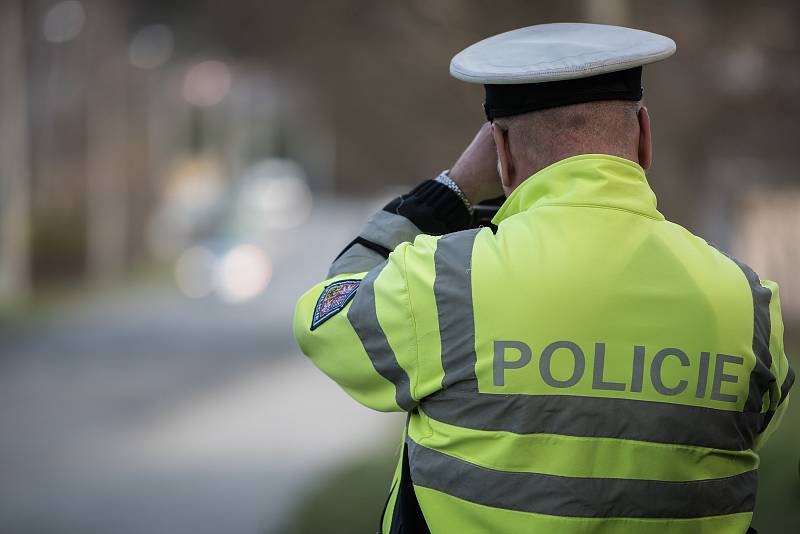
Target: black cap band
[504, 100]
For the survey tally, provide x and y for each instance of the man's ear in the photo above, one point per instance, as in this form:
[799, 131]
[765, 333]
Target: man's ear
[645, 141]
[505, 166]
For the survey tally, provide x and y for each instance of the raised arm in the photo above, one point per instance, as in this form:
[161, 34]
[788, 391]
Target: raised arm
[368, 324]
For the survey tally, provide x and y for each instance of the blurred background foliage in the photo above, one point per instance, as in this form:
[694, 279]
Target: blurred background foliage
[173, 174]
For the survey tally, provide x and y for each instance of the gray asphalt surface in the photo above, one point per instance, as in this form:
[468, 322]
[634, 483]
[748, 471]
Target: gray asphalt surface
[146, 411]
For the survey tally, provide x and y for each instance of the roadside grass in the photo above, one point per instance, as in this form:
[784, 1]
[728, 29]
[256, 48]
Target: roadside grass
[778, 503]
[349, 499]
[65, 297]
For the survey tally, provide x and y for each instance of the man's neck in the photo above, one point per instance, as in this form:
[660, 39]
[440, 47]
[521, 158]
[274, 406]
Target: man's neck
[530, 166]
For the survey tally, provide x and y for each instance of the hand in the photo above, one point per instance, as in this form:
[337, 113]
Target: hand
[475, 171]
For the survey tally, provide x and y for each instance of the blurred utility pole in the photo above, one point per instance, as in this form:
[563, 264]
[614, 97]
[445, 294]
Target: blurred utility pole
[107, 151]
[607, 12]
[14, 172]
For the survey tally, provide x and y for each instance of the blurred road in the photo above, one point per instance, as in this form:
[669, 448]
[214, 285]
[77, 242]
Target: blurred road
[150, 412]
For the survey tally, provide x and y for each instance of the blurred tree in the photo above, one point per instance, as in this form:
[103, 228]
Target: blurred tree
[107, 141]
[14, 176]
[359, 92]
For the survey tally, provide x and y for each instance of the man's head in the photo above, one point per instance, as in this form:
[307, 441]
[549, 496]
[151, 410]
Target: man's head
[559, 90]
[529, 142]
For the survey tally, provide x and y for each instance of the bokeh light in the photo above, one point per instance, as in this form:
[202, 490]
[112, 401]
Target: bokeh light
[194, 272]
[207, 83]
[151, 47]
[64, 21]
[276, 195]
[243, 273]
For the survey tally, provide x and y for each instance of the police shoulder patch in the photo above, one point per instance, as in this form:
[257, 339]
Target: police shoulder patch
[333, 300]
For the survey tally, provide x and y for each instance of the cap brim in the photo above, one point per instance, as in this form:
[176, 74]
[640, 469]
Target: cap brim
[563, 51]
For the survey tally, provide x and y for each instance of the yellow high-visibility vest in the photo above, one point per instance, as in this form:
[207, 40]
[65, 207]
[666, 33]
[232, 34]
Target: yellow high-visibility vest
[589, 367]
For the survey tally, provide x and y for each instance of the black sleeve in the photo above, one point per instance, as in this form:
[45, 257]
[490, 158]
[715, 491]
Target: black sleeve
[432, 207]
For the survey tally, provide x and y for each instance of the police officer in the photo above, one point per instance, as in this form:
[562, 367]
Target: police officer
[588, 367]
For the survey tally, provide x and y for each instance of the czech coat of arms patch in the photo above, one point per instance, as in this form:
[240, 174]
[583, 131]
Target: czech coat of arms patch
[333, 300]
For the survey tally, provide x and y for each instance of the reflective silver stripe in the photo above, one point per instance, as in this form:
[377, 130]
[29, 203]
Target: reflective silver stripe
[578, 496]
[596, 417]
[389, 229]
[363, 316]
[761, 376]
[453, 291]
[356, 259]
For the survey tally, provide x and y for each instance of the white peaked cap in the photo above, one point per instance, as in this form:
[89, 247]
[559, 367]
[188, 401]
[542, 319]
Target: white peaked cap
[562, 51]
